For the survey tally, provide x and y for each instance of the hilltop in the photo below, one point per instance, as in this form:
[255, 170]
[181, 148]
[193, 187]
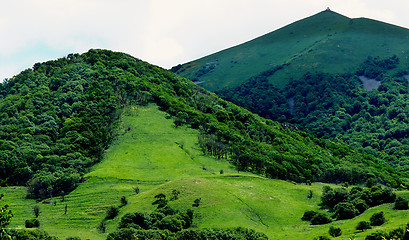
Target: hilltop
[326, 42]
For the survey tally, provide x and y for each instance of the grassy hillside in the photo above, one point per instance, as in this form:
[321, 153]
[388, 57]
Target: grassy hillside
[325, 42]
[147, 153]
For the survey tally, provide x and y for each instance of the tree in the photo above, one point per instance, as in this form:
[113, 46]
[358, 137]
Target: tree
[161, 200]
[123, 201]
[102, 226]
[331, 197]
[196, 202]
[345, 210]
[335, 231]
[175, 195]
[172, 223]
[401, 204]
[36, 210]
[377, 219]
[111, 212]
[363, 225]
[320, 218]
[136, 189]
[308, 215]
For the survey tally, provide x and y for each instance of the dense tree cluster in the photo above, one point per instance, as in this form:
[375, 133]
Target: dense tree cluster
[348, 204]
[337, 106]
[58, 118]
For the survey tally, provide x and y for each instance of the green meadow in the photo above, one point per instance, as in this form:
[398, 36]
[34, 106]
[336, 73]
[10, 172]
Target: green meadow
[152, 154]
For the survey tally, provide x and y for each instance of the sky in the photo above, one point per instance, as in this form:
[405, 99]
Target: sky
[162, 32]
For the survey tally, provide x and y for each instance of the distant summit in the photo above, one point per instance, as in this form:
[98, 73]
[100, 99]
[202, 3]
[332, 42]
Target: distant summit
[327, 42]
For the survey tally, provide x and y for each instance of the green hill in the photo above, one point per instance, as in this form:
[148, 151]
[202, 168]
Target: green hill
[314, 74]
[82, 131]
[325, 42]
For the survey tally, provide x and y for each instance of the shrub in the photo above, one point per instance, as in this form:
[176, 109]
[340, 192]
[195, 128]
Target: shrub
[363, 225]
[34, 223]
[136, 189]
[400, 204]
[308, 215]
[377, 219]
[196, 202]
[335, 231]
[111, 212]
[102, 226]
[320, 218]
[123, 201]
[36, 210]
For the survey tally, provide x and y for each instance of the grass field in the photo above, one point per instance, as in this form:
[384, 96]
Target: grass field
[152, 154]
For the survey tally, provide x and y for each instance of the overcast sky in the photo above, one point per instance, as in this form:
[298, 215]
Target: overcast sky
[162, 32]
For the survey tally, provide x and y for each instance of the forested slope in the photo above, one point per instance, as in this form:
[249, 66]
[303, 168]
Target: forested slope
[313, 73]
[58, 118]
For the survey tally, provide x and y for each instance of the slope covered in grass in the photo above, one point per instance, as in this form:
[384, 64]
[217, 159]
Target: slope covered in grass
[325, 42]
[230, 199]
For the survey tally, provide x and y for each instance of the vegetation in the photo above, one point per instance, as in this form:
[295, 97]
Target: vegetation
[377, 219]
[34, 223]
[147, 156]
[158, 159]
[233, 233]
[312, 80]
[347, 205]
[60, 116]
[372, 122]
[111, 212]
[335, 231]
[401, 204]
[363, 225]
